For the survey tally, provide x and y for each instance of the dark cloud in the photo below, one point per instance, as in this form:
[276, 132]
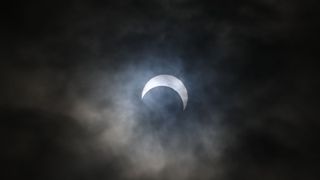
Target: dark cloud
[72, 73]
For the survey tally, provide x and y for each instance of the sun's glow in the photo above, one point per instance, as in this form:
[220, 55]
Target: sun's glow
[167, 81]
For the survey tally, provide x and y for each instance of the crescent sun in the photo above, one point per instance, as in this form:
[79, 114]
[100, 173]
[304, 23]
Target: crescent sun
[170, 82]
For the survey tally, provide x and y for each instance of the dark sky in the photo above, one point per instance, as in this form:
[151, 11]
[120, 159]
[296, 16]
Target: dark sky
[72, 72]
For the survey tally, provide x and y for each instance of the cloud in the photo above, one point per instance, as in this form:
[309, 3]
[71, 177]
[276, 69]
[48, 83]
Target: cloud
[73, 83]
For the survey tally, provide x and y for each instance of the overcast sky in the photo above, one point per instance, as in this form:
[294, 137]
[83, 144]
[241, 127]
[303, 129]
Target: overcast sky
[72, 73]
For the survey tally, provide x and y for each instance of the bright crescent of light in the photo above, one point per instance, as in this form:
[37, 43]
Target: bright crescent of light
[167, 81]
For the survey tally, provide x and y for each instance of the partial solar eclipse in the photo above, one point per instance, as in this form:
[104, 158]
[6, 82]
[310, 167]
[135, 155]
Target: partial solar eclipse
[170, 82]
